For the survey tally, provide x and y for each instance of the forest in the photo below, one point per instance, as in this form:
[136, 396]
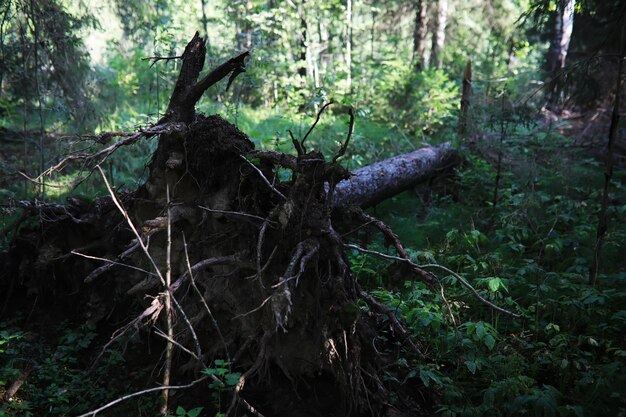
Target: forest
[302, 208]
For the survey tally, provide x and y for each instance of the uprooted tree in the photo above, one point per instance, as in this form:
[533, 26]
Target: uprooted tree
[237, 264]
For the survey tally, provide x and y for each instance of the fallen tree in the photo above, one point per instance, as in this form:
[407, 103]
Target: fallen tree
[238, 265]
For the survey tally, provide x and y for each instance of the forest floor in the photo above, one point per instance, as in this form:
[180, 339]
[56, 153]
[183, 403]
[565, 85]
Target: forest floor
[588, 129]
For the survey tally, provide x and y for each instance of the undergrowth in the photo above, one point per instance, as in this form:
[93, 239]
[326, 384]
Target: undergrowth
[529, 253]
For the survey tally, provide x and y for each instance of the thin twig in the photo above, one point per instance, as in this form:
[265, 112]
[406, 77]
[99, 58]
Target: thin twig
[397, 244]
[99, 271]
[131, 225]
[235, 213]
[344, 146]
[263, 177]
[296, 143]
[156, 59]
[319, 114]
[204, 303]
[254, 309]
[372, 302]
[159, 333]
[472, 289]
[34, 181]
[460, 278]
[169, 348]
[246, 375]
[97, 258]
[106, 152]
[142, 392]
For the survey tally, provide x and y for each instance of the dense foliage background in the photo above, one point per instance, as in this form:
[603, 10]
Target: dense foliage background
[519, 219]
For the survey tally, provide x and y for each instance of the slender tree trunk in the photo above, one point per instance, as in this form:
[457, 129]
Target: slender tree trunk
[243, 28]
[35, 20]
[564, 25]
[205, 22]
[5, 16]
[465, 99]
[420, 32]
[302, 65]
[349, 44]
[608, 170]
[439, 34]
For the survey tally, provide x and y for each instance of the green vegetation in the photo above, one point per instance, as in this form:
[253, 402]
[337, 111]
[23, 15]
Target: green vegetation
[518, 220]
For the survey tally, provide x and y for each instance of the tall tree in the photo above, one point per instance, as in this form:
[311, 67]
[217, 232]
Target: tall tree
[564, 25]
[439, 33]
[420, 32]
[349, 44]
[302, 65]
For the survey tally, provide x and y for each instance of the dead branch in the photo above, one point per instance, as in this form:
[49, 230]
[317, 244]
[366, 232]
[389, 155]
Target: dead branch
[395, 240]
[204, 303]
[395, 323]
[344, 146]
[158, 58]
[17, 384]
[110, 264]
[188, 89]
[317, 119]
[89, 159]
[265, 180]
[276, 158]
[139, 393]
[472, 289]
[462, 280]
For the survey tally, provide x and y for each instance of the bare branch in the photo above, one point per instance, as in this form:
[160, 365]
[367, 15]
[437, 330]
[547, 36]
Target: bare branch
[381, 308]
[344, 147]
[235, 213]
[395, 240]
[472, 289]
[157, 58]
[112, 263]
[165, 128]
[204, 303]
[281, 159]
[142, 392]
[319, 114]
[263, 177]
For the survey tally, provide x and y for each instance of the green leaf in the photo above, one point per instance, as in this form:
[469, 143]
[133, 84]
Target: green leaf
[480, 330]
[494, 284]
[194, 412]
[232, 379]
[221, 362]
[471, 365]
[489, 341]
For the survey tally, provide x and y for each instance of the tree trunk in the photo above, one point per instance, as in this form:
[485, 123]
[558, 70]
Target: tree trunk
[564, 25]
[302, 64]
[465, 99]
[420, 32]
[349, 45]
[377, 182]
[439, 33]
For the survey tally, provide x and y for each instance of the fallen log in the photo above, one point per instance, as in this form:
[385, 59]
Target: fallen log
[372, 184]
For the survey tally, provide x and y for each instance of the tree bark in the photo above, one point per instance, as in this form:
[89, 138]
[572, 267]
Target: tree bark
[420, 32]
[372, 184]
[465, 98]
[302, 64]
[564, 25]
[439, 34]
[349, 44]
